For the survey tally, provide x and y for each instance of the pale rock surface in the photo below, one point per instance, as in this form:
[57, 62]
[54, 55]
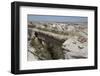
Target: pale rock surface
[75, 49]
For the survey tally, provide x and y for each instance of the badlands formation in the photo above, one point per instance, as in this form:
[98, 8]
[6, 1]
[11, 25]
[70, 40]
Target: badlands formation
[57, 40]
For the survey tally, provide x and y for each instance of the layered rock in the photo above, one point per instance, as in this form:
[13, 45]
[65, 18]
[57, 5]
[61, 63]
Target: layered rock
[75, 48]
[50, 41]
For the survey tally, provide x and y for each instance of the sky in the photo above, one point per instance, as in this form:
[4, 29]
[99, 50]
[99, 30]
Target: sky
[57, 18]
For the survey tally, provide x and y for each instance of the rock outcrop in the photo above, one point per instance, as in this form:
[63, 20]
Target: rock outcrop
[51, 41]
[75, 48]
